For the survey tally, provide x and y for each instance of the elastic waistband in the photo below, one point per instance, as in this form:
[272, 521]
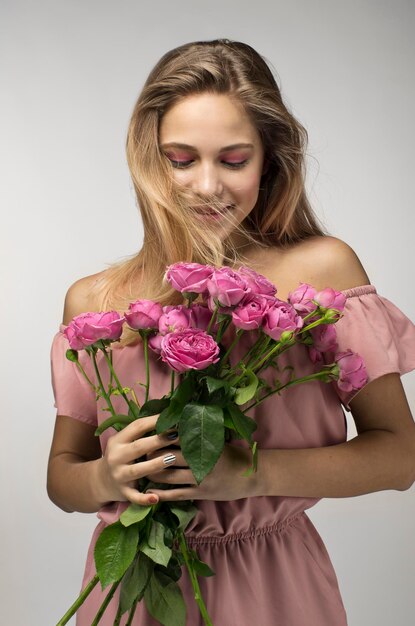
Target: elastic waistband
[278, 527]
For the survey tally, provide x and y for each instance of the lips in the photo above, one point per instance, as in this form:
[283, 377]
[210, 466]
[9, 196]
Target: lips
[212, 211]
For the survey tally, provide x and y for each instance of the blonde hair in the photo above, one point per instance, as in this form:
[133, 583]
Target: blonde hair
[282, 214]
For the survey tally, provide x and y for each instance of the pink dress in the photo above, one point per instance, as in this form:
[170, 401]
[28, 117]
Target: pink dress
[271, 565]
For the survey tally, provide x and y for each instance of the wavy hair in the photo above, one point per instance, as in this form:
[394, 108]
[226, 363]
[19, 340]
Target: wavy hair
[282, 214]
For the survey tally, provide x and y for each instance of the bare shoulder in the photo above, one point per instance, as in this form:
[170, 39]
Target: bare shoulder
[321, 261]
[332, 263]
[80, 296]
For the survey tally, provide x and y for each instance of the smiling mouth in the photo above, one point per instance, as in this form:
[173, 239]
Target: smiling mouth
[214, 212]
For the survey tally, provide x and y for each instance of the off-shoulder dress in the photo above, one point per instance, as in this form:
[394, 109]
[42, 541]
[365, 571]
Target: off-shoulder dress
[271, 565]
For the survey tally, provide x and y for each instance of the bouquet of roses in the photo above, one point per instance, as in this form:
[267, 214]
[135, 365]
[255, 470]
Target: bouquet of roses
[144, 551]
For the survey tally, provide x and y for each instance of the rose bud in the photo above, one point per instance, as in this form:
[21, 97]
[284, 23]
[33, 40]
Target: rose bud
[280, 318]
[353, 374]
[143, 314]
[257, 282]
[227, 287]
[87, 328]
[174, 318]
[188, 277]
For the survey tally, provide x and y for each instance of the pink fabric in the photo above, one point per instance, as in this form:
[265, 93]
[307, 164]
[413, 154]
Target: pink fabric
[271, 564]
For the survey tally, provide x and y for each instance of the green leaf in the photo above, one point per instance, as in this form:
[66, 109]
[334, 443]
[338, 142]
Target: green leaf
[202, 437]
[134, 410]
[164, 600]
[243, 394]
[184, 515]
[154, 547]
[201, 568]
[114, 551]
[184, 390]
[134, 513]
[244, 425]
[72, 355]
[169, 417]
[253, 467]
[135, 581]
[213, 384]
[152, 407]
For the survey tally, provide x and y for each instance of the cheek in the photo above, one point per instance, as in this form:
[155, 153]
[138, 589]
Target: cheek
[249, 185]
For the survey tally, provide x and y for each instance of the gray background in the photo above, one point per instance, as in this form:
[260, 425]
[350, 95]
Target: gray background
[71, 72]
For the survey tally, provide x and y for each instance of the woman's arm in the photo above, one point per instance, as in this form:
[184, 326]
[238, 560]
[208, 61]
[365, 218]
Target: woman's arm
[381, 456]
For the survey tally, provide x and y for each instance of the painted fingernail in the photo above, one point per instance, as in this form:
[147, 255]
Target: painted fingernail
[169, 459]
[172, 435]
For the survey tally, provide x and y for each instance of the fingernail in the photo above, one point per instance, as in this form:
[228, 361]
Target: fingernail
[172, 435]
[169, 459]
[153, 499]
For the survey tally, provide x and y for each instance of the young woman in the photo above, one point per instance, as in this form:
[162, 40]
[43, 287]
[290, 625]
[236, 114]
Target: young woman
[217, 162]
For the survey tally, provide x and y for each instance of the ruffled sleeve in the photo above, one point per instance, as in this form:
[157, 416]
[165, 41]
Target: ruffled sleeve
[379, 331]
[73, 395]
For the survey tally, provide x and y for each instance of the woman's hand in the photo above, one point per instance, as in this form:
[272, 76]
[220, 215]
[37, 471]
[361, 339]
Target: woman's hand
[119, 471]
[225, 482]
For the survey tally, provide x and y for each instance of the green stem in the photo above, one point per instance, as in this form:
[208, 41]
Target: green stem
[101, 385]
[131, 613]
[278, 346]
[172, 381]
[145, 343]
[212, 319]
[223, 327]
[84, 374]
[80, 600]
[318, 375]
[117, 620]
[106, 602]
[259, 346]
[193, 579]
[239, 333]
[114, 375]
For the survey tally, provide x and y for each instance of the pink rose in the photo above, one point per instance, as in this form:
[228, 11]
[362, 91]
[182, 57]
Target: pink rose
[154, 342]
[188, 276]
[227, 286]
[174, 318]
[200, 316]
[353, 374]
[328, 298]
[301, 299]
[281, 317]
[189, 349]
[257, 282]
[143, 314]
[249, 314]
[87, 328]
[325, 340]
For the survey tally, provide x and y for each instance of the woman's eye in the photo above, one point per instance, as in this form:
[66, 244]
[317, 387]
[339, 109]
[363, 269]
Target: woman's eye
[179, 164]
[234, 164]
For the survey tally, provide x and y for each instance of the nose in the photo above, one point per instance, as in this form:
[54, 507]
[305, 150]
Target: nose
[207, 180]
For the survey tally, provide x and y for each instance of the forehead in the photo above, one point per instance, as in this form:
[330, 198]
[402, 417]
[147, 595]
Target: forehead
[213, 117]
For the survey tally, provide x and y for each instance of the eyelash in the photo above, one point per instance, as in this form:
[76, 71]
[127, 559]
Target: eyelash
[184, 164]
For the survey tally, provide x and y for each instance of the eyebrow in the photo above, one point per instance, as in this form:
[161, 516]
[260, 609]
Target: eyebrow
[186, 146]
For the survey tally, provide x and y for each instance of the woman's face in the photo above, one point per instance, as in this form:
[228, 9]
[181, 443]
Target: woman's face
[217, 153]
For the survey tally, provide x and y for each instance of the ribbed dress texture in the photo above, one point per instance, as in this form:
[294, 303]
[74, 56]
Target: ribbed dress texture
[271, 565]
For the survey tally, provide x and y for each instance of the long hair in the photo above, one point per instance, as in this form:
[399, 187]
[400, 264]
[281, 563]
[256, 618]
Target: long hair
[282, 214]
